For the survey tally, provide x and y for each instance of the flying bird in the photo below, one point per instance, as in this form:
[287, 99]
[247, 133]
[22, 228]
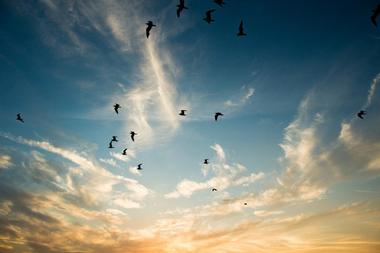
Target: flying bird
[219, 2]
[133, 135]
[117, 107]
[208, 17]
[125, 151]
[217, 114]
[375, 13]
[205, 161]
[149, 27]
[114, 138]
[361, 114]
[245, 203]
[110, 145]
[183, 113]
[241, 30]
[139, 166]
[214, 189]
[181, 6]
[19, 118]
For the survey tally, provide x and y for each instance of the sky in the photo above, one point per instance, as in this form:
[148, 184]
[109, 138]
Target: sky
[295, 169]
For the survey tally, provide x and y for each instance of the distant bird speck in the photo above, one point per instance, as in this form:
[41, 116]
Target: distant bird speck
[110, 145]
[214, 189]
[182, 113]
[117, 107]
[375, 13]
[149, 27]
[245, 203]
[125, 151]
[139, 166]
[180, 7]
[208, 17]
[19, 118]
[133, 135]
[217, 114]
[205, 161]
[220, 2]
[114, 138]
[241, 30]
[361, 114]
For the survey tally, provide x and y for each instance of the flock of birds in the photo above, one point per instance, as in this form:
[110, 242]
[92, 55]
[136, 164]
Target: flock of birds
[208, 18]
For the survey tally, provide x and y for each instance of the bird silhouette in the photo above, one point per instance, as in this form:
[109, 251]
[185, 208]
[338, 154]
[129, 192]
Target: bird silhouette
[217, 114]
[208, 17]
[182, 113]
[241, 30]
[19, 118]
[361, 114]
[125, 151]
[117, 107]
[214, 189]
[139, 166]
[110, 145]
[133, 135]
[180, 7]
[220, 2]
[245, 203]
[114, 138]
[375, 13]
[205, 161]
[149, 27]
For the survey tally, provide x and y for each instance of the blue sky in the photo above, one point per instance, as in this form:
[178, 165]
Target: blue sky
[289, 143]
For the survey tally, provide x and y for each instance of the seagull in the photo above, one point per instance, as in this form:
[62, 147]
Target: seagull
[361, 114]
[245, 203]
[205, 161]
[217, 114]
[125, 151]
[219, 2]
[133, 135]
[19, 117]
[114, 139]
[241, 30]
[376, 13]
[149, 27]
[117, 107]
[110, 145]
[208, 17]
[214, 189]
[139, 166]
[181, 6]
[183, 113]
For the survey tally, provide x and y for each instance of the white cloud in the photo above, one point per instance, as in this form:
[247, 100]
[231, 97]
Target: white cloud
[109, 161]
[247, 93]
[5, 161]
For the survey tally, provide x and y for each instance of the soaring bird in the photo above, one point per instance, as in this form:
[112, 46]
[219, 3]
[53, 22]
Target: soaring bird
[375, 13]
[149, 27]
[139, 166]
[208, 17]
[205, 161]
[217, 114]
[241, 30]
[361, 114]
[180, 7]
[245, 203]
[117, 107]
[114, 138]
[19, 118]
[219, 2]
[125, 151]
[133, 135]
[214, 189]
[110, 145]
[182, 113]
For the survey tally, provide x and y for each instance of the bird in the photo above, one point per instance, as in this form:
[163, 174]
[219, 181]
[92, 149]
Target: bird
[19, 118]
[181, 6]
[241, 30]
[208, 17]
[114, 139]
[182, 113]
[219, 2]
[139, 166]
[117, 107]
[133, 135]
[214, 189]
[361, 114]
[217, 114]
[110, 145]
[125, 151]
[205, 161]
[245, 203]
[376, 13]
[149, 27]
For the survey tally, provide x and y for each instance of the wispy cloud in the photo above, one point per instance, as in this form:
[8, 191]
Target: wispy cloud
[247, 93]
[5, 161]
